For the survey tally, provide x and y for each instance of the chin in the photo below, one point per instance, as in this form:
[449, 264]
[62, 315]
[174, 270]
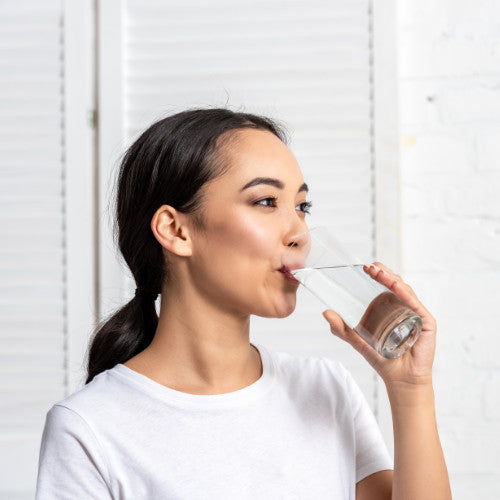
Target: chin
[280, 310]
[284, 314]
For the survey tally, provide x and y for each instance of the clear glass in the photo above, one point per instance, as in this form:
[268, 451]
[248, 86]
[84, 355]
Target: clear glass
[319, 262]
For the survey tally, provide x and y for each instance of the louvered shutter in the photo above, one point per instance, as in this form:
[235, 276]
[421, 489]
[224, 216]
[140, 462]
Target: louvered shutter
[46, 225]
[32, 320]
[305, 63]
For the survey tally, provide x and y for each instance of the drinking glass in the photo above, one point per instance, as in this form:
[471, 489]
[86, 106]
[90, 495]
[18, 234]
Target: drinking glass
[319, 262]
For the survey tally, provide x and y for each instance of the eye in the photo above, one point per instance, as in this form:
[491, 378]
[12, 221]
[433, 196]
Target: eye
[306, 205]
[265, 199]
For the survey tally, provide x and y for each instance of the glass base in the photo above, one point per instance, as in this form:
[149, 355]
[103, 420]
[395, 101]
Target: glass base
[399, 335]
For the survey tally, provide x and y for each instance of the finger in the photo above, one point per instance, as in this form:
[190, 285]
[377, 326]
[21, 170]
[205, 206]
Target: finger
[395, 283]
[336, 322]
[376, 266]
[339, 328]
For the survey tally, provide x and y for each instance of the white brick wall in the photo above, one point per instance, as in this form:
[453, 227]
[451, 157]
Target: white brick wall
[449, 71]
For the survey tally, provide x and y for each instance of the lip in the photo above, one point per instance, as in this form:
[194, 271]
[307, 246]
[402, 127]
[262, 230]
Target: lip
[287, 275]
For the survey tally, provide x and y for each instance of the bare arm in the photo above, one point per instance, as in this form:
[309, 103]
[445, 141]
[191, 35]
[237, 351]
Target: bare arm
[377, 486]
[419, 467]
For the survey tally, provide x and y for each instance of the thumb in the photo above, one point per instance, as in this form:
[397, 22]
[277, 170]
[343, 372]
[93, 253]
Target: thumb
[336, 322]
[339, 328]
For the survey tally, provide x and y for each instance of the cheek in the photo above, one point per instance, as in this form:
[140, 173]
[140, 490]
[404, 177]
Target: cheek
[235, 268]
[254, 240]
[241, 246]
[250, 242]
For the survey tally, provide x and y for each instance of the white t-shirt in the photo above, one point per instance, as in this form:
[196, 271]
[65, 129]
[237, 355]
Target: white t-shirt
[303, 430]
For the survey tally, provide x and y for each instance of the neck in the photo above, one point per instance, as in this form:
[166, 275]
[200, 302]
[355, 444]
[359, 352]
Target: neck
[204, 353]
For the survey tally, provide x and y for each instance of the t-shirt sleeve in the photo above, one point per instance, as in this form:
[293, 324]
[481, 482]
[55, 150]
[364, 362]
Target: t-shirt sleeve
[71, 463]
[371, 451]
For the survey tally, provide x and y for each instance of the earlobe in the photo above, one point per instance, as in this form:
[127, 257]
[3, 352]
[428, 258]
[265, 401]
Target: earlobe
[170, 231]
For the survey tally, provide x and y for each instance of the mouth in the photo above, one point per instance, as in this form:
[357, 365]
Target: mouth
[287, 275]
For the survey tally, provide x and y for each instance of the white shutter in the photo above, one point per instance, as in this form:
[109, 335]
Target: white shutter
[45, 195]
[32, 254]
[305, 63]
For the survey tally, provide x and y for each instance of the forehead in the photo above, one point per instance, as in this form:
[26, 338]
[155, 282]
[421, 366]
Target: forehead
[251, 153]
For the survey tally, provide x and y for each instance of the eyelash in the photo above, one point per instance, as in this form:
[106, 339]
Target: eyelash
[307, 204]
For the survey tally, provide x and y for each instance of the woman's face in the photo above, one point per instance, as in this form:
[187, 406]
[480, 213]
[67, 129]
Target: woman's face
[249, 225]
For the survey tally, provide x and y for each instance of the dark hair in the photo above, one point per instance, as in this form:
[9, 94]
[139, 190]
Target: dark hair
[168, 164]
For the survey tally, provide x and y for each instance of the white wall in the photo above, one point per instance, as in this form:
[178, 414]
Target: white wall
[449, 74]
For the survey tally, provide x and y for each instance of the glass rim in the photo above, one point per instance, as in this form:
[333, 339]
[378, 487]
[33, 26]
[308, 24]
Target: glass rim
[329, 230]
[321, 226]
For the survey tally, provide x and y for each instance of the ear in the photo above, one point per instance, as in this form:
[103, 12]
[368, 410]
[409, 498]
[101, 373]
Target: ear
[168, 226]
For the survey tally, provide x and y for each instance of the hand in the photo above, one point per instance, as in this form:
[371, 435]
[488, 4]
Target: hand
[414, 367]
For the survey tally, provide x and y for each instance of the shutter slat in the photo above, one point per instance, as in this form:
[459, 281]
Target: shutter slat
[305, 63]
[32, 257]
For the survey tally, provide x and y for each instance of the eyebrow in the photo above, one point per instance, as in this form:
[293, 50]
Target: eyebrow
[271, 182]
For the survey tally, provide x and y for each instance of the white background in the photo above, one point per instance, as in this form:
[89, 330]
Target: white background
[393, 117]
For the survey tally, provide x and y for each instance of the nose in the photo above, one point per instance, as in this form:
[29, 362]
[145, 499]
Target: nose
[295, 233]
[295, 228]
[296, 240]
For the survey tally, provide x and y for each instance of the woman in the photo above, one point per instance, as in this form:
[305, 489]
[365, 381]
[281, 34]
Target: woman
[182, 406]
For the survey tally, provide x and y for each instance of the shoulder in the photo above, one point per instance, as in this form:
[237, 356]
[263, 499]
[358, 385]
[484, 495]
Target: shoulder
[318, 375]
[88, 402]
[304, 366]
[72, 460]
